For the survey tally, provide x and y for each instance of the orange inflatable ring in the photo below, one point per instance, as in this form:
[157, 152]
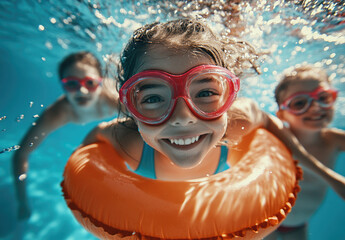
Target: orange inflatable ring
[249, 200]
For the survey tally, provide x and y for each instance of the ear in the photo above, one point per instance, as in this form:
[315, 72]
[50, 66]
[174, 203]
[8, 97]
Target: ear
[280, 114]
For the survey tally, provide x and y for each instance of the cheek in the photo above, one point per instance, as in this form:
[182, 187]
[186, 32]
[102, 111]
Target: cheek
[331, 114]
[219, 126]
[286, 116]
[70, 95]
[147, 132]
[96, 93]
[290, 117]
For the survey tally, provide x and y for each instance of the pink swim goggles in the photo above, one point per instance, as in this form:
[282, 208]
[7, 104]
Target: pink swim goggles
[300, 102]
[72, 84]
[208, 91]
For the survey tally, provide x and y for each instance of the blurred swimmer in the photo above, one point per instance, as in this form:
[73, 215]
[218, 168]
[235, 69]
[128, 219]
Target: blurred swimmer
[85, 100]
[306, 103]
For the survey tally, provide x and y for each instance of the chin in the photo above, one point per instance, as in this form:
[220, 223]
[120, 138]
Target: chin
[186, 161]
[85, 103]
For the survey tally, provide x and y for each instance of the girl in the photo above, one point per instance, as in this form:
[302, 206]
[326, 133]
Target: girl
[177, 82]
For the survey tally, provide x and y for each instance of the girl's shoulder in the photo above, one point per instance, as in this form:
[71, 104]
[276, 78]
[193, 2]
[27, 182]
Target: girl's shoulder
[123, 134]
[61, 110]
[335, 136]
[333, 133]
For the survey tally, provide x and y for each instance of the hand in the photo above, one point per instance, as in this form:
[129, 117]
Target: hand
[243, 117]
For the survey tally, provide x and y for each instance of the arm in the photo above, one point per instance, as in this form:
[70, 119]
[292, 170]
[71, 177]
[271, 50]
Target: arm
[50, 120]
[245, 116]
[335, 180]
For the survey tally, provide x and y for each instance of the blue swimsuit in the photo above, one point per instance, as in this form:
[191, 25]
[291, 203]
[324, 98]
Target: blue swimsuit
[147, 163]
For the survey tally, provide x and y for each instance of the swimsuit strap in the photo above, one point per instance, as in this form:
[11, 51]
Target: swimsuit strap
[147, 162]
[223, 164]
[146, 166]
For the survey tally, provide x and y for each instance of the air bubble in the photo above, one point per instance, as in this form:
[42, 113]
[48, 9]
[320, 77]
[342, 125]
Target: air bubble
[9, 149]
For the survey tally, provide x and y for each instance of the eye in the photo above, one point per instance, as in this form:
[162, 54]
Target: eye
[152, 99]
[206, 93]
[91, 83]
[325, 97]
[72, 84]
[298, 103]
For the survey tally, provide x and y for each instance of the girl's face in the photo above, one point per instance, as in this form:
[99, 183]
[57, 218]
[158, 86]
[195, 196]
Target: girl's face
[82, 96]
[183, 138]
[315, 117]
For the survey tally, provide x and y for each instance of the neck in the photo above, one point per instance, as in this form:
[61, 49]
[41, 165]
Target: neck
[307, 137]
[87, 113]
[167, 170]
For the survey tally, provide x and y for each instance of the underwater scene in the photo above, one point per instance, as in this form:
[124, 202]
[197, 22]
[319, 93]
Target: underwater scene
[35, 35]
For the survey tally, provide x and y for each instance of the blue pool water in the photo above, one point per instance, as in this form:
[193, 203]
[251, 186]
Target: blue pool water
[36, 34]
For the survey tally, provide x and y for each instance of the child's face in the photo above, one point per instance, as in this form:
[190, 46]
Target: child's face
[315, 117]
[82, 96]
[183, 138]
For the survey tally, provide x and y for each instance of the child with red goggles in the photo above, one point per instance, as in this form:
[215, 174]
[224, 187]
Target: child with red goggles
[306, 103]
[77, 105]
[72, 84]
[177, 89]
[300, 102]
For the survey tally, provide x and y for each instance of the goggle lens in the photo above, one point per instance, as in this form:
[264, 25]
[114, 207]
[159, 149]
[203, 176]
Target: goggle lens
[326, 99]
[298, 103]
[209, 92]
[151, 97]
[72, 85]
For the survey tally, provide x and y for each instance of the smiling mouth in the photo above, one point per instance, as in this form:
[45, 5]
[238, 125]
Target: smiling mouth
[185, 142]
[82, 100]
[316, 118]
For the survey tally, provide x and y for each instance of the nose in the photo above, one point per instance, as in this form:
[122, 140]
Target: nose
[314, 104]
[84, 90]
[182, 115]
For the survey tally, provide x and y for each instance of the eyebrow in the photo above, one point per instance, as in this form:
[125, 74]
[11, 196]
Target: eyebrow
[205, 80]
[150, 86]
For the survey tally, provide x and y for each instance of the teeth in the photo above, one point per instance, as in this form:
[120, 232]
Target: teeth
[316, 118]
[186, 141]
